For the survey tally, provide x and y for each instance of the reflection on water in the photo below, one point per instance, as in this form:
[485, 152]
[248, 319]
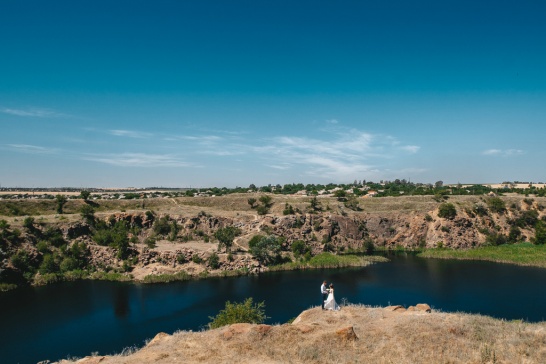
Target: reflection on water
[121, 301]
[77, 318]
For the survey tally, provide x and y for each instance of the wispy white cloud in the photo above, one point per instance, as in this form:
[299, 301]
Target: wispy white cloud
[130, 133]
[139, 160]
[31, 149]
[32, 112]
[341, 154]
[492, 152]
[281, 167]
[514, 152]
[202, 139]
[411, 148]
[505, 152]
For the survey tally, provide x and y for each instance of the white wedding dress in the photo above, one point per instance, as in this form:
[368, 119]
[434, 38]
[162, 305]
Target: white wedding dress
[330, 303]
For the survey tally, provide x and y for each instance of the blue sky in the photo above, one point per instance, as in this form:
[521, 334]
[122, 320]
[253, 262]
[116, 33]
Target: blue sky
[229, 93]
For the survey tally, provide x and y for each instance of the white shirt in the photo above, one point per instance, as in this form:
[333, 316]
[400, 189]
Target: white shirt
[323, 289]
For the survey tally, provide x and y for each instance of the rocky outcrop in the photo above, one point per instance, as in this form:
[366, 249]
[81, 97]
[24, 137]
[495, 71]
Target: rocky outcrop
[390, 223]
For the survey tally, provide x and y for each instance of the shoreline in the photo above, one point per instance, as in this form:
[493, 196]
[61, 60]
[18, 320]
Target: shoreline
[522, 254]
[321, 261]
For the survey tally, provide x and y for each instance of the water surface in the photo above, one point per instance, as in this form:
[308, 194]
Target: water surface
[75, 319]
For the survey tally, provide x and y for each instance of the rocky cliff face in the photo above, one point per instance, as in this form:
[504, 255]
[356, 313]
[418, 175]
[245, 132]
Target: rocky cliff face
[399, 223]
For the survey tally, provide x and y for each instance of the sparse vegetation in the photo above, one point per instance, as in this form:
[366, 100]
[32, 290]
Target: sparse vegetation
[447, 211]
[244, 312]
[521, 254]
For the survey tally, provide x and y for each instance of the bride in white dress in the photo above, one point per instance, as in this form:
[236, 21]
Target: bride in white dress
[330, 303]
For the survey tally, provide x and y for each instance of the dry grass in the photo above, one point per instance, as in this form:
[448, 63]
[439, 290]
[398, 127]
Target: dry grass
[384, 336]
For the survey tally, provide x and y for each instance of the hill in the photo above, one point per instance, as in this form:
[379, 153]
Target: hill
[356, 334]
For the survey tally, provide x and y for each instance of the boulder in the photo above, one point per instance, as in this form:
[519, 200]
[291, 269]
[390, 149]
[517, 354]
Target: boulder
[396, 308]
[347, 333]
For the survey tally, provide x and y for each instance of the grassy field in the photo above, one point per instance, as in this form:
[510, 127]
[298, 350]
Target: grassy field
[521, 254]
[327, 260]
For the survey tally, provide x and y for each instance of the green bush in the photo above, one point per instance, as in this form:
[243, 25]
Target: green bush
[288, 209]
[369, 246]
[540, 233]
[480, 209]
[262, 210]
[54, 236]
[447, 211]
[22, 261]
[514, 235]
[496, 205]
[214, 261]
[245, 312]
[299, 248]
[49, 265]
[162, 226]
[495, 238]
[527, 218]
[68, 264]
[43, 247]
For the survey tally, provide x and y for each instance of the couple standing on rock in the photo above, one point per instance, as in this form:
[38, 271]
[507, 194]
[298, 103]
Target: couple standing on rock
[328, 300]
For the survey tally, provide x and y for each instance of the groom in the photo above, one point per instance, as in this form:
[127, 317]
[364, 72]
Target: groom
[323, 293]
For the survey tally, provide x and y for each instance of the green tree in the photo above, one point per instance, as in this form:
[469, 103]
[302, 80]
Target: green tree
[87, 213]
[266, 250]
[226, 236]
[251, 201]
[245, 312]
[447, 211]
[61, 201]
[85, 195]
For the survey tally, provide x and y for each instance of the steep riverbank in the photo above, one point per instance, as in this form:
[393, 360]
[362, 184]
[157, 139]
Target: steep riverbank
[178, 238]
[354, 334]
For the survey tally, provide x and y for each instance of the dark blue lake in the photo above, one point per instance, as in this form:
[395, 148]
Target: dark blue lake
[78, 318]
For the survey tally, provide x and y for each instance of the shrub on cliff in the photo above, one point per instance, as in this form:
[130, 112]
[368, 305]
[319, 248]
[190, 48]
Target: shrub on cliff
[245, 312]
[540, 233]
[447, 211]
[496, 205]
